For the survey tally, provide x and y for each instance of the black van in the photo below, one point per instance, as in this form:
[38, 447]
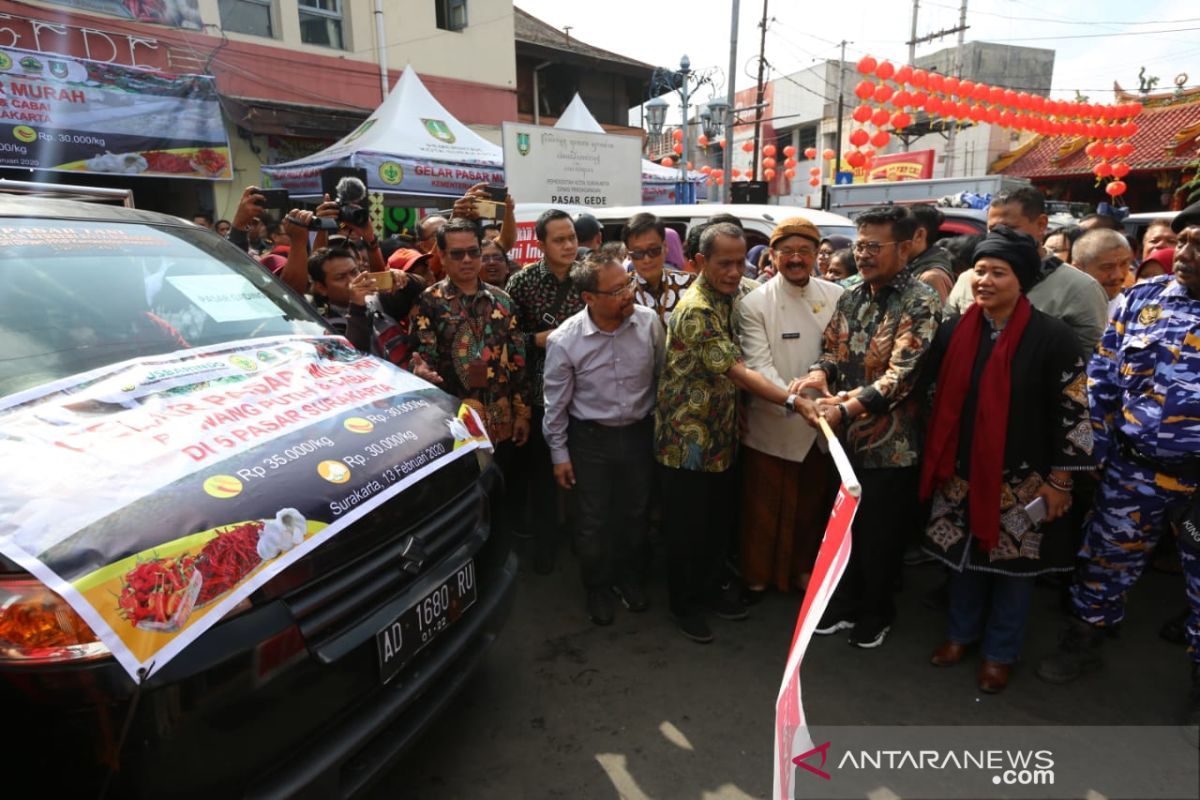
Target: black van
[314, 678]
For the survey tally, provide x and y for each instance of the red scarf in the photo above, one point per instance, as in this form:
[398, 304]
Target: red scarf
[991, 418]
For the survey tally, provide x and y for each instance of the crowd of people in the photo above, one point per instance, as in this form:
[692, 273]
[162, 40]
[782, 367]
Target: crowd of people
[1015, 404]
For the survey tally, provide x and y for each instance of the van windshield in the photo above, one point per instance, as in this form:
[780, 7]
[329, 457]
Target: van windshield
[78, 295]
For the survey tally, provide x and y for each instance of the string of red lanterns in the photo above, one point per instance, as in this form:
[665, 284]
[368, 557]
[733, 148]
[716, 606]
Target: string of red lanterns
[957, 100]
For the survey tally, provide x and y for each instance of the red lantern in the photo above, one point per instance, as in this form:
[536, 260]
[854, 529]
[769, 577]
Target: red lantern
[936, 82]
[668, 162]
[723, 143]
[1124, 149]
[883, 93]
[748, 147]
[737, 173]
[992, 115]
[1094, 149]
[864, 89]
[861, 114]
[769, 174]
[885, 71]
[880, 117]
[881, 138]
[789, 151]
[1120, 169]
[977, 113]
[901, 99]
[814, 171]
[920, 78]
[814, 182]
[769, 150]
[709, 182]
[810, 152]
[982, 93]
[706, 169]
[789, 173]
[1115, 189]
[702, 140]
[951, 86]
[1103, 170]
[677, 135]
[828, 154]
[1010, 97]
[934, 104]
[859, 137]
[855, 158]
[919, 99]
[678, 148]
[866, 65]
[904, 74]
[995, 95]
[689, 166]
[720, 181]
[1110, 151]
[901, 120]
[768, 162]
[789, 163]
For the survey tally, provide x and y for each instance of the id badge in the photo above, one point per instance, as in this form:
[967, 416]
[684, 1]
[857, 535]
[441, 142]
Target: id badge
[477, 374]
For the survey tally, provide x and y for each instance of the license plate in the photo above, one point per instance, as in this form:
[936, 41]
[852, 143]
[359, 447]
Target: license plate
[420, 623]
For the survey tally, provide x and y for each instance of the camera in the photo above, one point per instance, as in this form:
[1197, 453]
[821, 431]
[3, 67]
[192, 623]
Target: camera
[351, 195]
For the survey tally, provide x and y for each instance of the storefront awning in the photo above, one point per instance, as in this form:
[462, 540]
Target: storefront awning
[270, 117]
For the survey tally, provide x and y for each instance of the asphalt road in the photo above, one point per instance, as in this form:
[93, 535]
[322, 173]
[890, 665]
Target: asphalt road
[564, 709]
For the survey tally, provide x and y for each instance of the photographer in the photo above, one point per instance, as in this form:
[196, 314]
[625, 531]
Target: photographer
[466, 207]
[369, 308]
[349, 213]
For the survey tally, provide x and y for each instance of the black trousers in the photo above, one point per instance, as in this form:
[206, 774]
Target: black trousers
[538, 493]
[610, 501]
[879, 534]
[698, 511]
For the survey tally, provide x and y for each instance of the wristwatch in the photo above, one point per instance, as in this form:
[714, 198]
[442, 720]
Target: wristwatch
[790, 403]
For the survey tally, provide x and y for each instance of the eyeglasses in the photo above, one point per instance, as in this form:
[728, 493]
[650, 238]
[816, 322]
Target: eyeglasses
[462, 255]
[788, 253]
[870, 247]
[824, 255]
[649, 252]
[493, 259]
[627, 287]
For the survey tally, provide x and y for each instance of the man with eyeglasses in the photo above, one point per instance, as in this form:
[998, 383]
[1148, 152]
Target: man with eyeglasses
[696, 428]
[467, 331]
[427, 230]
[1070, 295]
[545, 296]
[869, 370]
[601, 369]
[657, 287]
[785, 474]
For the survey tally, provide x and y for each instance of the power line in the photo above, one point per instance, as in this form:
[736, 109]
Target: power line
[1074, 22]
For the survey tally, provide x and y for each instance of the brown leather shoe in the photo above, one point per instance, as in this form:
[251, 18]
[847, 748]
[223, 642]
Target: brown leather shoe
[949, 654]
[993, 677]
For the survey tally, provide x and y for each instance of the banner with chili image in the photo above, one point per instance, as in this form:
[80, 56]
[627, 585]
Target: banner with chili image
[155, 495]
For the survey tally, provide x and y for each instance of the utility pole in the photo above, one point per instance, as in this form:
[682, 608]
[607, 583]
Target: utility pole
[841, 112]
[731, 94]
[912, 39]
[962, 30]
[758, 111]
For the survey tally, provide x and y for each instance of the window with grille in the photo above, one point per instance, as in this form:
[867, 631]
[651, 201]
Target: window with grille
[247, 16]
[321, 23]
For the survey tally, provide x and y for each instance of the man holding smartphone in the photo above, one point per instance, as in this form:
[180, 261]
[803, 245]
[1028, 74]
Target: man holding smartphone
[545, 296]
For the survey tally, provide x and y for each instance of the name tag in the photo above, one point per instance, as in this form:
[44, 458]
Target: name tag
[791, 336]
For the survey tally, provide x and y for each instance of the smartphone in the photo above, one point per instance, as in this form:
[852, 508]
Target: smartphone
[274, 198]
[1037, 510]
[496, 192]
[549, 319]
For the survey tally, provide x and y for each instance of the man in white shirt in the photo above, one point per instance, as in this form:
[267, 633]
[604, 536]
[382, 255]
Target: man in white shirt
[785, 474]
[602, 366]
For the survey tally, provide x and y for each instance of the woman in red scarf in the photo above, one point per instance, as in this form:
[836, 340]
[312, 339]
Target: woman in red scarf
[1009, 426]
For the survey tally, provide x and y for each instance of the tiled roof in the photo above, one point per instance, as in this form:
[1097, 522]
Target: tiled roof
[1168, 137]
[531, 30]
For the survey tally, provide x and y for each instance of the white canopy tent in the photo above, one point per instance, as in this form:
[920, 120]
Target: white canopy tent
[410, 145]
[658, 182]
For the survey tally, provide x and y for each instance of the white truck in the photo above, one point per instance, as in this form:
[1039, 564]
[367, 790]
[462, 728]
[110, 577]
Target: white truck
[850, 199]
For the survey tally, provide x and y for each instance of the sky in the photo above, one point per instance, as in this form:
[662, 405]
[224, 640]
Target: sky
[1096, 42]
